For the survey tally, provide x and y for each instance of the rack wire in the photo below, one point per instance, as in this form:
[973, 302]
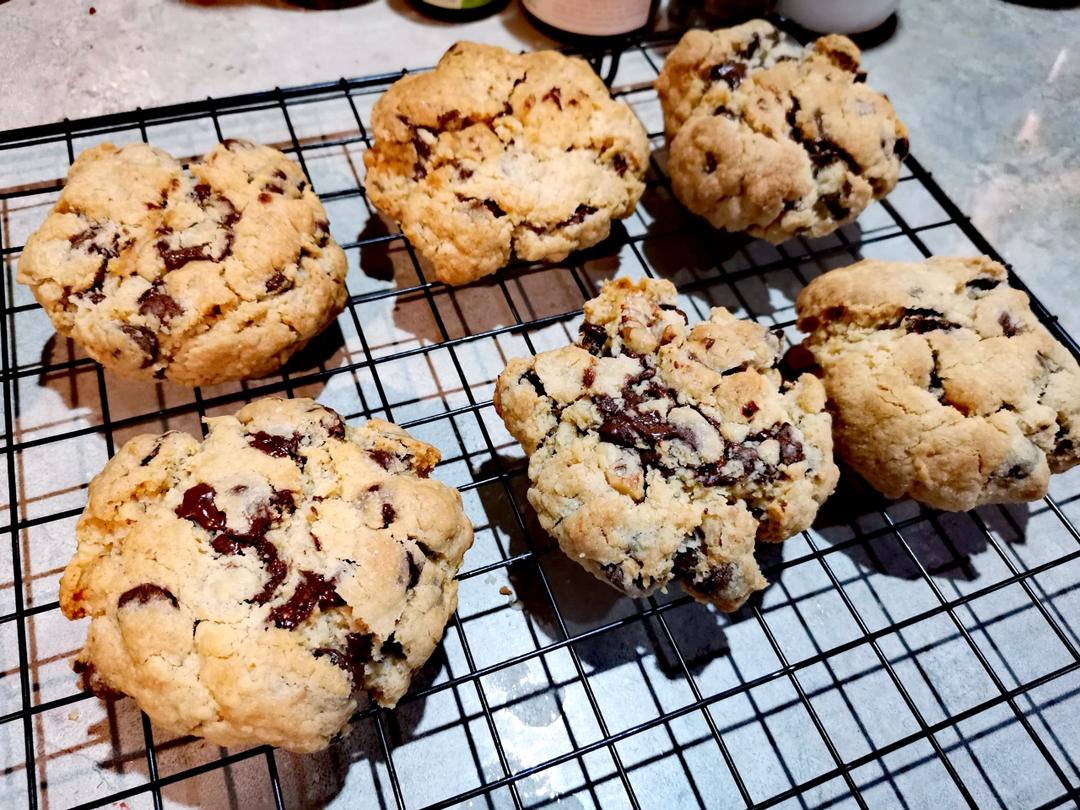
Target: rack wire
[900, 657]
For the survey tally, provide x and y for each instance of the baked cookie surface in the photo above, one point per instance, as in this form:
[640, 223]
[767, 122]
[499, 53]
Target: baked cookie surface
[944, 386]
[216, 272]
[245, 588]
[494, 154]
[772, 138]
[662, 451]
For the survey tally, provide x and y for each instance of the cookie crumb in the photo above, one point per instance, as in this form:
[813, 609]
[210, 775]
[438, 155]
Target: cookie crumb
[506, 591]
[73, 715]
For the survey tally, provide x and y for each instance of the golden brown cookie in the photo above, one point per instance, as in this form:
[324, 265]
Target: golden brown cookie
[495, 154]
[943, 384]
[662, 451]
[774, 139]
[216, 272]
[246, 587]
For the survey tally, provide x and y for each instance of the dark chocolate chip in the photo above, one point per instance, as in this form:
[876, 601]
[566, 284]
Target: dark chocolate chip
[277, 446]
[392, 647]
[533, 379]
[147, 592]
[159, 304]
[619, 164]
[274, 188]
[554, 95]
[278, 173]
[715, 580]
[389, 514]
[146, 341]
[833, 203]
[494, 208]
[152, 454]
[415, 567]
[278, 281]
[749, 409]
[673, 308]
[202, 193]
[791, 449]
[176, 258]
[588, 377]
[732, 73]
[1009, 327]
[312, 591]
[592, 338]
[198, 506]
[982, 284]
[710, 162]
[901, 148]
[276, 571]
[382, 458]
[578, 216]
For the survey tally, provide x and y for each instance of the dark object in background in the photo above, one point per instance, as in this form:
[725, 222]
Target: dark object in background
[458, 10]
[691, 13]
[590, 22]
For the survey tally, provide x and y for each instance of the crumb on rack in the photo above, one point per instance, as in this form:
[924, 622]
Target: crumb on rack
[505, 591]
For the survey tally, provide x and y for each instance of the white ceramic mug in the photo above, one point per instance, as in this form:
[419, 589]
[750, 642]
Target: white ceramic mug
[838, 16]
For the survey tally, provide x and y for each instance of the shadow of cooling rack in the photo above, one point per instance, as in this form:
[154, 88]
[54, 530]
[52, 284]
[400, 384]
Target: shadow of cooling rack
[901, 657]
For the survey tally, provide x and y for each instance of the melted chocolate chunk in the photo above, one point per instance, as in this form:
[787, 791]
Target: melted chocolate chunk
[274, 188]
[533, 379]
[147, 592]
[277, 446]
[277, 281]
[901, 148]
[382, 458]
[159, 304]
[918, 323]
[389, 514]
[175, 258]
[626, 427]
[592, 338]
[312, 591]
[494, 208]
[714, 581]
[392, 647]
[415, 567]
[152, 454]
[359, 647]
[578, 216]
[619, 164]
[276, 571]
[749, 409]
[146, 341]
[202, 193]
[588, 377]
[791, 449]
[554, 95]
[732, 73]
[685, 562]
[336, 428]
[1009, 327]
[982, 284]
[198, 506]
[833, 203]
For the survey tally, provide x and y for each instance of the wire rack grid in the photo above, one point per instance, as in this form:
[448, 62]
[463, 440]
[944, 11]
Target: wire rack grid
[901, 657]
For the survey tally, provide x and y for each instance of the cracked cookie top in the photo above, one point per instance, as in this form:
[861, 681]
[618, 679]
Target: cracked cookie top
[944, 385]
[245, 588]
[772, 138]
[215, 272]
[495, 154]
[662, 451]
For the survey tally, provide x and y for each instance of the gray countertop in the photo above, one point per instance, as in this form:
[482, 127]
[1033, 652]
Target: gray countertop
[989, 89]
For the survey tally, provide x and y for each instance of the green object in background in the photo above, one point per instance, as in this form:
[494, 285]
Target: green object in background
[458, 10]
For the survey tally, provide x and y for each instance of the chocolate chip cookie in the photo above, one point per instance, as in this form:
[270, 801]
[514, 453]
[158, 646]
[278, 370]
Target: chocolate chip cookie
[944, 386]
[246, 587]
[216, 272]
[774, 139]
[662, 451]
[495, 154]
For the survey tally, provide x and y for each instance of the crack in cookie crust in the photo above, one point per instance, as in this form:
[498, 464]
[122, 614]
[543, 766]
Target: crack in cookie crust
[944, 385]
[246, 588]
[774, 139]
[661, 451]
[215, 272]
[495, 154]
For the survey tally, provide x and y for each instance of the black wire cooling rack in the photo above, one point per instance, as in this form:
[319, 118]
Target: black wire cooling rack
[901, 656]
